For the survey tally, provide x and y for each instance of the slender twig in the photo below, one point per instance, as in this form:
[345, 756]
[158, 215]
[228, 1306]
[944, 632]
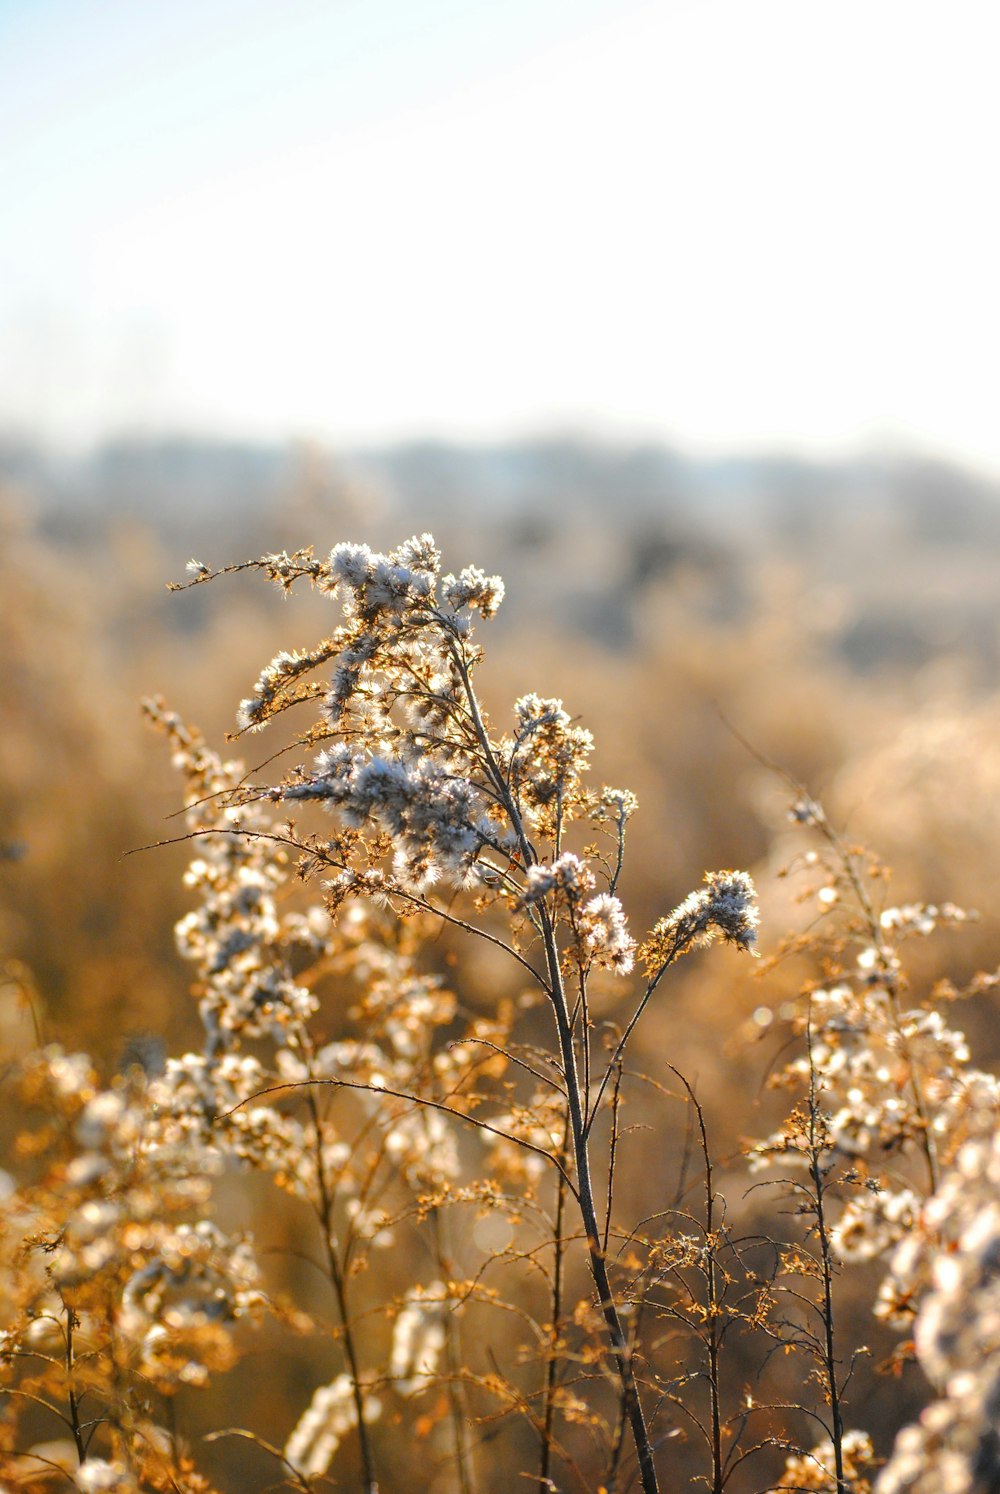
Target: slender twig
[817, 1140]
[325, 1203]
[556, 1310]
[579, 1131]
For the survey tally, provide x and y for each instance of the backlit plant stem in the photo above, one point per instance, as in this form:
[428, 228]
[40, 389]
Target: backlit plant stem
[829, 1354]
[325, 1201]
[578, 1121]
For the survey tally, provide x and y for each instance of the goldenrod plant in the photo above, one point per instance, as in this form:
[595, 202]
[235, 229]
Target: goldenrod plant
[461, 1283]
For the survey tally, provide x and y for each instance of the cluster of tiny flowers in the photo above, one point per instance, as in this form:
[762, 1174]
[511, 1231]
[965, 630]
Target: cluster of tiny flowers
[618, 805]
[892, 1095]
[599, 927]
[241, 947]
[871, 1223]
[421, 791]
[950, 1266]
[922, 918]
[386, 583]
[567, 875]
[275, 683]
[402, 663]
[324, 1424]
[244, 952]
[545, 762]
[391, 618]
[605, 934]
[892, 1081]
[199, 1283]
[107, 1257]
[203, 1104]
[817, 1470]
[438, 821]
[402, 1011]
[473, 589]
[725, 907]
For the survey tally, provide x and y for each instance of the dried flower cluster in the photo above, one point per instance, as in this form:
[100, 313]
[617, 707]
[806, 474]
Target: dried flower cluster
[948, 1271]
[118, 1290]
[895, 1131]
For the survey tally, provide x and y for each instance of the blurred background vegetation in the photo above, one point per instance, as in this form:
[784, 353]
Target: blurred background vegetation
[841, 621]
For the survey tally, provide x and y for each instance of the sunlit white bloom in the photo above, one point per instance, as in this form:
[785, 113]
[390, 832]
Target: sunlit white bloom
[873, 1222]
[533, 713]
[352, 564]
[97, 1475]
[605, 933]
[418, 1339]
[330, 1415]
[474, 589]
[567, 874]
[102, 1118]
[953, 1262]
[726, 905]
[816, 1470]
[619, 804]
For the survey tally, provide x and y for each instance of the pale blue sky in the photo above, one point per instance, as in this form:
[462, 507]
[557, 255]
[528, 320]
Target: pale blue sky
[724, 222]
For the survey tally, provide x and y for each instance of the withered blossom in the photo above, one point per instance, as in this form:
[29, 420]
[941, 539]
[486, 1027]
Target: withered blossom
[726, 907]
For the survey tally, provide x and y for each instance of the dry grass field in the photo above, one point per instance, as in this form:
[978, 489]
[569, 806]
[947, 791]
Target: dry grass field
[370, 1091]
